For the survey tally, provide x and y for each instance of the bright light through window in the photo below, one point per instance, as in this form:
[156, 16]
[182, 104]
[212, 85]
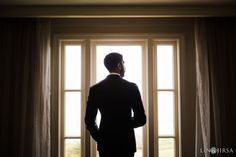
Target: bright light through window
[166, 103]
[166, 113]
[72, 114]
[165, 67]
[73, 67]
[72, 101]
[132, 56]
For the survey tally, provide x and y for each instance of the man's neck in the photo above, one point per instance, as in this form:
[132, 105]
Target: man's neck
[114, 73]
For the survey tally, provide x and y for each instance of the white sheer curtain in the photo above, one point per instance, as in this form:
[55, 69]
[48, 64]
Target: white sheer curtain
[202, 93]
[25, 86]
[216, 85]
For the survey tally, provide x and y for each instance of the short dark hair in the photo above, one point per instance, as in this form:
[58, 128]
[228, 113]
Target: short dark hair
[111, 60]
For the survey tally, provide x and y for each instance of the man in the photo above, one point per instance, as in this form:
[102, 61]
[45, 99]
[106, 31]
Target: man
[115, 98]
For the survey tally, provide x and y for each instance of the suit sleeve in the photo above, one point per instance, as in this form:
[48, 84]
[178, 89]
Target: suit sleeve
[90, 115]
[139, 118]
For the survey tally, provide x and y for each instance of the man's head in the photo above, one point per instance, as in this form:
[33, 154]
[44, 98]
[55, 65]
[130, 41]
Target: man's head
[114, 63]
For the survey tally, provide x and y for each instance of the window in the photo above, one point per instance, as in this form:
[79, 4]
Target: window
[166, 99]
[150, 63]
[72, 99]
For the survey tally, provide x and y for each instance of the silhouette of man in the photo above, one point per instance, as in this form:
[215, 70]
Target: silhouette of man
[115, 98]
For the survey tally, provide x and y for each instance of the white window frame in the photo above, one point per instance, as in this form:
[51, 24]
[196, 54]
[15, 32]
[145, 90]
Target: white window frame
[176, 90]
[88, 41]
[62, 45]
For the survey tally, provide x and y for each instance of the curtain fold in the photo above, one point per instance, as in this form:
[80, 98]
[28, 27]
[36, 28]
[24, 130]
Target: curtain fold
[216, 76]
[202, 91]
[42, 114]
[25, 86]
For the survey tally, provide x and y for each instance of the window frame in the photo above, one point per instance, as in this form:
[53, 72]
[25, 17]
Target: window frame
[62, 45]
[86, 39]
[175, 42]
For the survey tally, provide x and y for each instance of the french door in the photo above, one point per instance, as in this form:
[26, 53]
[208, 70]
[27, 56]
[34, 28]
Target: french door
[152, 64]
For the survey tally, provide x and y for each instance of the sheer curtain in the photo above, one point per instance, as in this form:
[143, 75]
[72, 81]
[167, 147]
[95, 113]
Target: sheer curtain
[25, 86]
[216, 76]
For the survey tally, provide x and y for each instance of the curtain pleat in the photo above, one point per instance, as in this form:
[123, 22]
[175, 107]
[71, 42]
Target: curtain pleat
[202, 92]
[25, 86]
[42, 96]
[216, 75]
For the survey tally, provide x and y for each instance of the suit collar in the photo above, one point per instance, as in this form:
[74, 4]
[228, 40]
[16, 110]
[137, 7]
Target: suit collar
[113, 73]
[111, 76]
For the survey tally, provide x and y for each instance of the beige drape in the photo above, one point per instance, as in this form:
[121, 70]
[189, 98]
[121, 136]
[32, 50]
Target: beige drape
[216, 84]
[42, 114]
[25, 86]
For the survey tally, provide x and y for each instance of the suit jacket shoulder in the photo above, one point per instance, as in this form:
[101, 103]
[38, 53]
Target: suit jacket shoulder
[116, 80]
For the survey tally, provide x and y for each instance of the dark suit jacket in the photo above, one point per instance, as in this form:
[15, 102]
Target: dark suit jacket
[115, 98]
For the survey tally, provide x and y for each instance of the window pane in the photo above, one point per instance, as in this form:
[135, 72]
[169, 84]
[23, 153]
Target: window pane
[73, 67]
[72, 114]
[166, 147]
[72, 148]
[132, 56]
[139, 142]
[165, 67]
[165, 113]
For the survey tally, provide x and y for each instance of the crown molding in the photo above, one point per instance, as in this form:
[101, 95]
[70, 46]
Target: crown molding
[117, 11]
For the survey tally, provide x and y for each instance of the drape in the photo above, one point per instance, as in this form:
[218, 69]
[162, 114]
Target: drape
[202, 93]
[42, 95]
[216, 75]
[25, 87]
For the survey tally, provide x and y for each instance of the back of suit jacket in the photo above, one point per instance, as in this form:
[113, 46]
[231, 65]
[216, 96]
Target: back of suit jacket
[115, 98]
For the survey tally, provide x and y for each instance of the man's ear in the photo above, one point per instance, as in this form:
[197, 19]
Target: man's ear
[119, 66]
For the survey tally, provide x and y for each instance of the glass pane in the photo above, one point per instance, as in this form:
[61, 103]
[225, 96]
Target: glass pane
[72, 148]
[139, 142]
[166, 147]
[73, 67]
[165, 67]
[72, 114]
[132, 56]
[165, 113]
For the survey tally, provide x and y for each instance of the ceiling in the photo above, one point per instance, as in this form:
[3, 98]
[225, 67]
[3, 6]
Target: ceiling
[117, 2]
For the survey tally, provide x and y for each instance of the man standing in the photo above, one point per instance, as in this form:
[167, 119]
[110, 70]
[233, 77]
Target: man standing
[115, 98]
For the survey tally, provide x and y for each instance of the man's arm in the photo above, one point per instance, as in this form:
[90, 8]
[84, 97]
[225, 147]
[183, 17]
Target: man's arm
[90, 116]
[139, 118]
